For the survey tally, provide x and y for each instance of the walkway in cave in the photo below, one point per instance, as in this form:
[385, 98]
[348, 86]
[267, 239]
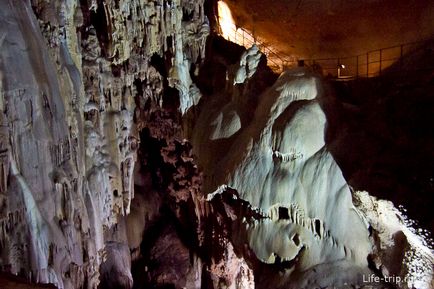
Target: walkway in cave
[370, 64]
[342, 64]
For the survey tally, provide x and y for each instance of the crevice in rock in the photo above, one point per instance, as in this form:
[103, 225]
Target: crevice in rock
[283, 213]
[98, 19]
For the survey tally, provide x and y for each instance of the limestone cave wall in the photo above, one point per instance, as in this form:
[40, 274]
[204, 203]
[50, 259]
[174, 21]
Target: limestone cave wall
[140, 150]
[77, 78]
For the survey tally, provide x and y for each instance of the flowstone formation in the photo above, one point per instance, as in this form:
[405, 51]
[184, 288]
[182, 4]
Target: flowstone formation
[303, 221]
[75, 79]
[279, 164]
[131, 156]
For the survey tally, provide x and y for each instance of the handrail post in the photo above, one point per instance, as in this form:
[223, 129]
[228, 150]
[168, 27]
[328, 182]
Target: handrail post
[367, 64]
[400, 58]
[357, 66]
[381, 58]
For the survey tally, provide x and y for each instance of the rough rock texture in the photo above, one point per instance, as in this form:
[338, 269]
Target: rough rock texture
[401, 253]
[301, 220]
[74, 76]
[125, 163]
[11, 281]
[279, 165]
[328, 28]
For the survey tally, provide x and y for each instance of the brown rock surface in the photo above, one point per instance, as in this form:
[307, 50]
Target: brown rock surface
[331, 28]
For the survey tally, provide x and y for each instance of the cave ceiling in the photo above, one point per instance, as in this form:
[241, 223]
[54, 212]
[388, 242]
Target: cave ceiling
[332, 28]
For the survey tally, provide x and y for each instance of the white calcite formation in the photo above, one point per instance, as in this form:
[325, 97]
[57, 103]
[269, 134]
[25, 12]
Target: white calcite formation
[402, 252]
[257, 189]
[307, 221]
[69, 77]
[279, 164]
[248, 64]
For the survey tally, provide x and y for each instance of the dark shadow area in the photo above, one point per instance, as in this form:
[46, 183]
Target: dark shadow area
[381, 133]
[169, 239]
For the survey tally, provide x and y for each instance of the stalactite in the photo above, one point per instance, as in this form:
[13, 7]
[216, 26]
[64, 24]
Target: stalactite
[71, 123]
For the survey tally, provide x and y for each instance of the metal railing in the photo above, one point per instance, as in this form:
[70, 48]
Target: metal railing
[277, 60]
[370, 64]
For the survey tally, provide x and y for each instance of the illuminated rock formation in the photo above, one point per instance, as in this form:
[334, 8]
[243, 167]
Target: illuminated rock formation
[279, 164]
[305, 223]
[73, 79]
[130, 156]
